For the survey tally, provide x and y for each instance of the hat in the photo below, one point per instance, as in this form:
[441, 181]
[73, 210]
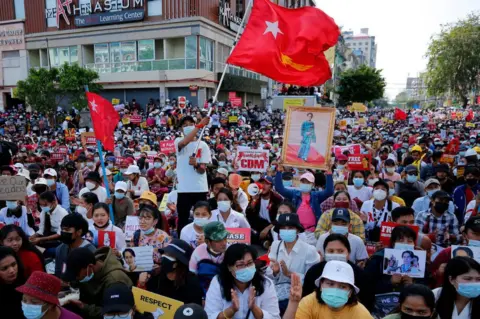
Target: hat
[25, 173]
[470, 152]
[18, 166]
[288, 220]
[473, 223]
[309, 177]
[40, 181]
[121, 186]
[215, 231]
[416, 148]
[34, 167]
[179, 249]
[234, 180]
[341, 157]
[411, 168]
[431, 181]
[132, 169]
[190, 311]
[149, 196]
[222, 171]
[50, 172]
[42, 286]
[339, 271]
[94, 176]
[78, 259]
[266, 179]
[341, 214]
[106, 171]
[118, 297]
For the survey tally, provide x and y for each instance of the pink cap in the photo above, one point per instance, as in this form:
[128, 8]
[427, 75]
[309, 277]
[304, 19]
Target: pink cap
[309, 177]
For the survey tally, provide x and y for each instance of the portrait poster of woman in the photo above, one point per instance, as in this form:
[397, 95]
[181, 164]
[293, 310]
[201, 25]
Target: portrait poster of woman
[308, 136]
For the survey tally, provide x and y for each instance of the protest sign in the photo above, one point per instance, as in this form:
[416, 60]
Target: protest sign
[88, 138]
[359, 162]
[405, 262]
[63, 149]
[468, 124]
[236, 102]
[371, 247]
[106, 238]
[447, 159]
[70, 134]
[343, 124]
[251, 160]
[138, 259]
[238, 236]
[12, 188]
[182, 102]
[386, 231]
[232, 95]
[159, 306]
[293, 101]
[358, 107]
[466, 251]
[232, 119]
[136, 119]
[115, 101]
[131, 225]
[126, 120]
[362, 121]
[163, 204]
[385, 304]
[167, 147]
[434, 251]
[57, 156]
[352, 149]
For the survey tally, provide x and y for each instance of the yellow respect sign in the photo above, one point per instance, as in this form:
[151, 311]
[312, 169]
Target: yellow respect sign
[468, 124]
[115, 101]
[161, 307]
[293, 102]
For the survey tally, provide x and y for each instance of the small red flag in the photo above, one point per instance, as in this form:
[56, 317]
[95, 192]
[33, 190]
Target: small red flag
[104, 118]
[400, 114]
[287, 45]
[469, 116]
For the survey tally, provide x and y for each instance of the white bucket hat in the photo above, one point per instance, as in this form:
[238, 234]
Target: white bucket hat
[132, 169]
[338, 271]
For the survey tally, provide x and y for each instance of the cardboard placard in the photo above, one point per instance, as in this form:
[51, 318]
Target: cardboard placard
[131, 225]
[115, 101]
[232, 119]
[405, 262]
[251, 160]
[136, 119]
[12, 188]
[88, 138]
[106, 238]
[182, 102]
[167, 147]
[163, 204]
[160, 306]
[238, 236]
[359, 162]
[386, 231]
[385, 304]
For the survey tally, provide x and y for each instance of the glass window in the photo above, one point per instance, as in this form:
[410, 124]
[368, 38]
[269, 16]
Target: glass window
[146, 50]
[154, 7]
[63, 55]
[85, 7]
[206, 54]
[50, 12]
[129, 51]
[73, 54]
[54, 57]
[115, 53]
[191, 47]
[101, 53]
[19, 9]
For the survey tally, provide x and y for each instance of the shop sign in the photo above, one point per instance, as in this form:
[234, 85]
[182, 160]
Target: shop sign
[12, 37]
[228, 19]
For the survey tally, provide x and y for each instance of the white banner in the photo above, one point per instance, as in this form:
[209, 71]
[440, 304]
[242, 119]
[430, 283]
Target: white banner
[251, 160]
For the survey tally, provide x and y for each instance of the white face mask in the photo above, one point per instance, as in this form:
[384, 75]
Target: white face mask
[372, 181]
[224, 206]
[90, 185]
[379, 194]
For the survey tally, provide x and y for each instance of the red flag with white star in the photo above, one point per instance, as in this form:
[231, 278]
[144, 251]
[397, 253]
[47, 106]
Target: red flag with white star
[104, 118]
[287, 45]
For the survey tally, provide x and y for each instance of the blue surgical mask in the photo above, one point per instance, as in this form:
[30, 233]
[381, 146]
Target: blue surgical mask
[461, 154]
[403, 246]
[411, 178]
[222, 163]
[335, 297]
[50, 182]
[343, 230]
[431, 192]
[358, 181]
[339, 257]
[340, 167]
[469, 289]
[148, 231]
[255, 177]
[246, 274]
[474, 243]
[288, 235]
[45, 209]
[11, 204]
[287, 183]
[87, 278]
[188, 129]
[157, 164]
[110, 166]
[200, 222]
[119, 195]
[32, 311]
[305, 188]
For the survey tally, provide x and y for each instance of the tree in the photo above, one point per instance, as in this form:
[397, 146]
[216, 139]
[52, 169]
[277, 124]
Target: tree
[454, 59]
[45, 89]
[401, 98]
[362, 84]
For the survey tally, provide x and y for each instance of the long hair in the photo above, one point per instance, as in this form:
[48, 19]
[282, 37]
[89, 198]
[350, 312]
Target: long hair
[456, 266]
[4, 253]
[26, 245]
[234, 253]
[420, 291]
[235, 206]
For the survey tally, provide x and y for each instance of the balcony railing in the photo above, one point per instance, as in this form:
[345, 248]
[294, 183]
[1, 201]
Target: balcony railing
[157, 65]
[235, 70]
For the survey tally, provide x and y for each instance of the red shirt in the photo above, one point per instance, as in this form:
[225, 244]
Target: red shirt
[31, 262]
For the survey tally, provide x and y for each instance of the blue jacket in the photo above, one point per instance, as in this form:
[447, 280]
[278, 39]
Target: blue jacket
[460, 200]
[63, 196]
[295, 196]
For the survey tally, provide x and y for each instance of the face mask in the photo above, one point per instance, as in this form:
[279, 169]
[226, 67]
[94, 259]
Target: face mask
[256, 177]
[222, 163]
[32, 311]
[87, 278]
[474, 243]
[411, 178]
[188, 129]
[403, 246]
[287, 183]
[407, 316]
[224, 206]
[391, 192]
[127, 316]
[157, 165]
[441, 207]
[390, 170]
[90, 185]
[11, 204]
[469, 289]
[461, 154]
[200, 222]
[246, 274]
[119, 195]
[171, 163]
[358, 181]
[305, 188]
[343, 230]
[431, 192]
[66, 238]
[168, 264]
[340, 167]
[288, 235]
[90, 164]
[45, 209]
[339, 257]
[148, 231]
[379, 194]
[96, 159]
[335, 297]
[372, 181]
[50, 182]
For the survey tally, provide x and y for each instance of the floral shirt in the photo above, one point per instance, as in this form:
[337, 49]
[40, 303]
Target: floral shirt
[158, 241]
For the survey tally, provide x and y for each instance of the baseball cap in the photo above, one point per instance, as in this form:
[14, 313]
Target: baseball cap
[411, 168]
[341, 157]
[121, 186]
[50, 172]
[150, 197]
[190, 311]
[266, 179]
[341, 214]
[132, 169]
[118, 297]
[473, 223]
[338, 271]
[309, 177]
[431, 181]
[179, 249]
[288, 220]
[77, 260]
[215, 231]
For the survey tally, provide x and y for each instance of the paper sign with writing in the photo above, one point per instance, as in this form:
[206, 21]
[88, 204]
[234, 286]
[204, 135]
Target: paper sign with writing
[12, 188]
[236, 102]
[88, 138]
[251, 160]
[359, 162]
[232, 119]
[238, 236]
[136, 119]
[386, 231]
[138, 259]
[57, 156]
[160, 306]
[232, 95]
[163, 204]
[115, 101]
[63, 149]
[352, 149]
[131, 225]
[468, 124]
[405, 262]
[167, 147]
[106, 238]
[385, 304]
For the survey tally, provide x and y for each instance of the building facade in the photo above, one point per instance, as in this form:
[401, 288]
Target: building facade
[141, 49]
[362, 44]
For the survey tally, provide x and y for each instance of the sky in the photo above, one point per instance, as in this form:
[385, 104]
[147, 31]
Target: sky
[402, 30]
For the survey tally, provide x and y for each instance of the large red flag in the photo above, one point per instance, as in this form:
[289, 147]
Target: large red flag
[286, 45]
[399, 114]
[104, 118]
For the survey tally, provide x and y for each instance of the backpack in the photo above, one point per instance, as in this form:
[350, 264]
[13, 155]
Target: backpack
[206, 270]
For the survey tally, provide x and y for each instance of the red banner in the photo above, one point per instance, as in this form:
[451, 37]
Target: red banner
[238, 236]
[63, 149]
[352, 149]
[232, 95]
[167, 147]
[136, 119]
[57, 156]
[236, 102]
[386, 231]
[359, 162]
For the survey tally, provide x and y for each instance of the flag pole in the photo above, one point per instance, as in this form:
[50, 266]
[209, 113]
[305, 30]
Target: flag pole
[215, 97]
[104, 171]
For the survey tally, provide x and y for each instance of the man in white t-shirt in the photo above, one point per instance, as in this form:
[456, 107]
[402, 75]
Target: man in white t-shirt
[191, 168]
